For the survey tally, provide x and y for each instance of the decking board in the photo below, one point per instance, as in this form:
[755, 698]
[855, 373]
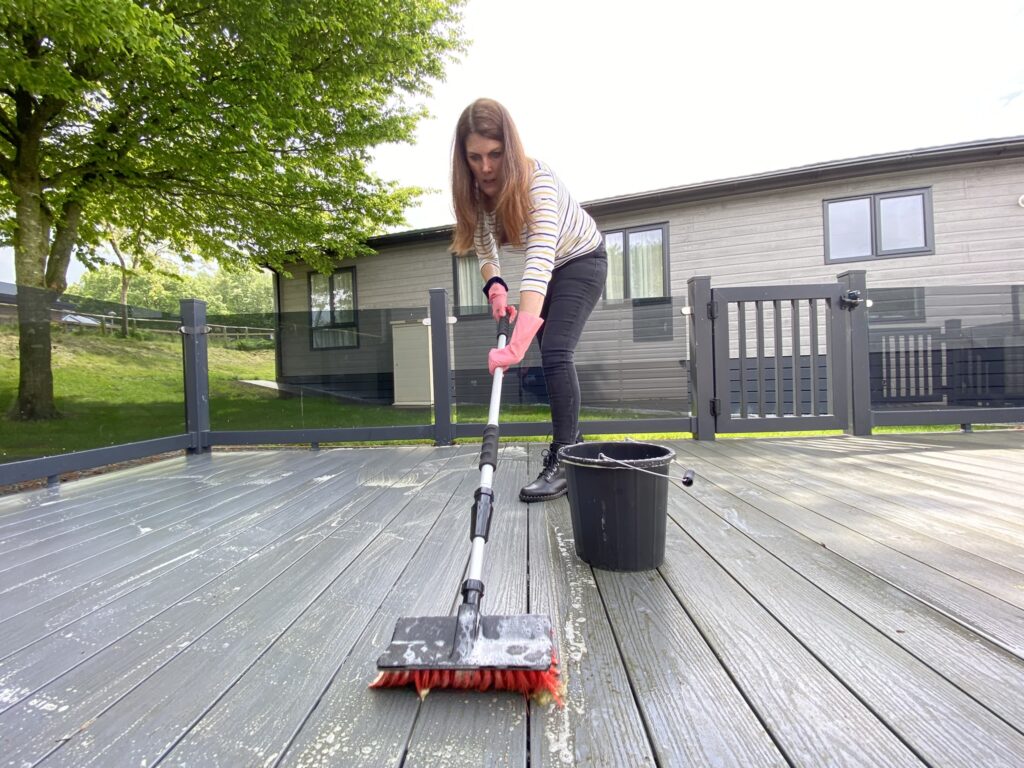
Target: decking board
[505, 593]
[112, 621]
[352, 725]
[823, 601]
[162, 508]
[994, 566]
[985, 508]
[237, 728]
[165, 576]
[26, 585]
[990, 617]
[128, 564]
[812, 717]
[600, 723]
[90, 690]
[987, 672]
[694, 712]
[943, 724]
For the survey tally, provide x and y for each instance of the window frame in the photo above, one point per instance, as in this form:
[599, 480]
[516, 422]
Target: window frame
[353, 325]
[877, 252]
[665, 270]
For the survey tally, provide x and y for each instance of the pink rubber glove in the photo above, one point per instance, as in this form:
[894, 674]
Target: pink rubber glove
[498, 296]
[513, 352]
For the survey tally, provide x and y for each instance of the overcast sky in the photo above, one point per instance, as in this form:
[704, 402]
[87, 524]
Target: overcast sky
[622, 97]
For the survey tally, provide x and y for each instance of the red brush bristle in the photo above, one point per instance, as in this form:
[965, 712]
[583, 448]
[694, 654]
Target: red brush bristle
[529, 682]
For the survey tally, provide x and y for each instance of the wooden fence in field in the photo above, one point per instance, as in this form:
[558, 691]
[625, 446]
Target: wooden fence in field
[104, 324]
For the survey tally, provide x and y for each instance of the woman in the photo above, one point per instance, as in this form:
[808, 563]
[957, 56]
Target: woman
[505, 201]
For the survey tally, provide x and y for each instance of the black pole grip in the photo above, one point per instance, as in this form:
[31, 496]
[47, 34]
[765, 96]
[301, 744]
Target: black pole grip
[489, 450]
[504, 326]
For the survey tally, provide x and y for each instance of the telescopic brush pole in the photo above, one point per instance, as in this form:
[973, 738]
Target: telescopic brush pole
[483, 506]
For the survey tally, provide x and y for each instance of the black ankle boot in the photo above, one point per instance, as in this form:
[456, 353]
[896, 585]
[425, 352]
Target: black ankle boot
[550, 483]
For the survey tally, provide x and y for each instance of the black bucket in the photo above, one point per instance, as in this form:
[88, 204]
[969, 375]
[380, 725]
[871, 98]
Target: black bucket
[618, 496]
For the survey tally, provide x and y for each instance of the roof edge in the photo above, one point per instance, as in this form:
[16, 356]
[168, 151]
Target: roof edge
[949, 154]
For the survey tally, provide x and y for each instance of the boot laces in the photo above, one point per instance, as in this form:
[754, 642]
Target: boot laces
[550, 464]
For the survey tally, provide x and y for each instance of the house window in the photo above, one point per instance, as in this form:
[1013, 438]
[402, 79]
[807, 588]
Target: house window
[637, 263]
[333, 318]
[879, 226]
[469, 287]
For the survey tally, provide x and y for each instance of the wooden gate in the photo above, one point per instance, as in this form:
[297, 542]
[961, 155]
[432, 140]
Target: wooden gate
[780, 358]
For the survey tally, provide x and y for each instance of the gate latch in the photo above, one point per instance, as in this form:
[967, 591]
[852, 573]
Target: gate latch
[850, 300]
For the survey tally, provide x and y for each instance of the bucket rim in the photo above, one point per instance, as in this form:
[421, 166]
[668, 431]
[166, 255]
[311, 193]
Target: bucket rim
[565, 456]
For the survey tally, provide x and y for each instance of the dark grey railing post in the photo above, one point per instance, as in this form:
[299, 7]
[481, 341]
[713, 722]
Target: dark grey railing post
[197, 384]
[702, 358]
[444, 433]
[860, 360]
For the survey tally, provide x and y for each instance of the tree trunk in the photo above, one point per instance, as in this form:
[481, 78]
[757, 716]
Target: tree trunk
[31, 249]
[124, 284]
[124, 309]
[35, 380]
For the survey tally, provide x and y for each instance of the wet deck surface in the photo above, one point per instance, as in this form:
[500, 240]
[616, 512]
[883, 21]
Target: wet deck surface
[824, 601]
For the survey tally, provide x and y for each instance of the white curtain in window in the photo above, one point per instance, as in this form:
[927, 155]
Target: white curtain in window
[344, 299]
[646, 264]
[614, 289]
[327, 338]
[332, 302]
[319, 300]
[469, 284]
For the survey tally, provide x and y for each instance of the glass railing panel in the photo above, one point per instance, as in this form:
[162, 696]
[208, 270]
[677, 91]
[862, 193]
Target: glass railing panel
[300, 371]
[955, 347]
[631, 361]
[116, 372]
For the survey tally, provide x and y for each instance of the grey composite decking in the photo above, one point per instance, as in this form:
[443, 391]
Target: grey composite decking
[824, 601]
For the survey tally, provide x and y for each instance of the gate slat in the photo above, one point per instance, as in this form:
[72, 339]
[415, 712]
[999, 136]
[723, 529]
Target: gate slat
[795, 355]
[742, 336]
[759, 330]
[777, 323]
[815, 409]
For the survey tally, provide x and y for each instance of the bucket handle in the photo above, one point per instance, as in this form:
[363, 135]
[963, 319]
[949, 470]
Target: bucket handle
[686, 479]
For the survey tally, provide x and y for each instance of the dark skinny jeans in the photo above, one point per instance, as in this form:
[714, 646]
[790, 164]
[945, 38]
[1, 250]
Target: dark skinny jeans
[573, 292]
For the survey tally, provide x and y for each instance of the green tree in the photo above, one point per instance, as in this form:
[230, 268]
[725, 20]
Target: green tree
[240, 292]
[132, 257]
[159, 284]
[234, 130]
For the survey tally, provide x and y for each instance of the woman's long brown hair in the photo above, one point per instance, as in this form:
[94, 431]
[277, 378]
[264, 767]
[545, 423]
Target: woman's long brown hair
[491, 120]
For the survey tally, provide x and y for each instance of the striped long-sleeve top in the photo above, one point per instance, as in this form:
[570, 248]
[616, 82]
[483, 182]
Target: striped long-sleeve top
[558, 231]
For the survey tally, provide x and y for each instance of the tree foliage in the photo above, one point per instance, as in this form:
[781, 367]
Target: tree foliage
[246, 291]
[236, 130]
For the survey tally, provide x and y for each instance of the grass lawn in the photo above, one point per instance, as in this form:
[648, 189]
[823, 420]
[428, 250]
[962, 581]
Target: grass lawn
[112, 390]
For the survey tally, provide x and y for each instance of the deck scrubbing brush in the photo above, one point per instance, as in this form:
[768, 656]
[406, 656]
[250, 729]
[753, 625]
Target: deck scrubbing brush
[471, 651]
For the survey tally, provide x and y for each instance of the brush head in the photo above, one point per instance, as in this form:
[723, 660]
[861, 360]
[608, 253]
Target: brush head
[472, 652]
[543, 685]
